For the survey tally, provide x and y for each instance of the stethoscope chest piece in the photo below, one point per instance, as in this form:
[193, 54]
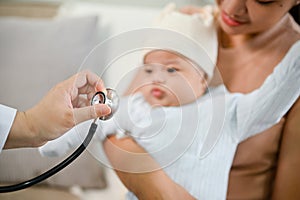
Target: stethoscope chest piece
[111, 99]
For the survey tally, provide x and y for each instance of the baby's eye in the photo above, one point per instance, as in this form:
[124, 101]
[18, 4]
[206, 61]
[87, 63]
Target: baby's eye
[148, 69]
[171, 70]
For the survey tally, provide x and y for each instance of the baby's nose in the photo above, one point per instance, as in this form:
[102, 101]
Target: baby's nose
[159, 77]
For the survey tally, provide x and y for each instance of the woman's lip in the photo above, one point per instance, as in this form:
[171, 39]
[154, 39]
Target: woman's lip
[229, 21]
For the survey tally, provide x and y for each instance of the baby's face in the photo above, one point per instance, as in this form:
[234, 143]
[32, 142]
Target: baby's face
[167, 79]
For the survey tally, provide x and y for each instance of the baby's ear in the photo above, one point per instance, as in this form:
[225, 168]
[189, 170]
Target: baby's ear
[204, 80]
[203, 75]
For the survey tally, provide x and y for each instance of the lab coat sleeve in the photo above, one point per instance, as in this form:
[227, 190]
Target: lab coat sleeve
[7, 116]
[264, 107]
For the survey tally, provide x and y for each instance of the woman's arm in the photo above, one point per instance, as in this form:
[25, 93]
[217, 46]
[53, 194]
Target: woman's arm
[147, 185]
[287, 180]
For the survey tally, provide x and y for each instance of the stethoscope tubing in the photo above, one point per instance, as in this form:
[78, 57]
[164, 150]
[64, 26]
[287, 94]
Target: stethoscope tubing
[99, 97]
[55, 169]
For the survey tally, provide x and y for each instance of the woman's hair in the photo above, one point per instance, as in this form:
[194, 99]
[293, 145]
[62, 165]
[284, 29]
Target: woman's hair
[295, 12]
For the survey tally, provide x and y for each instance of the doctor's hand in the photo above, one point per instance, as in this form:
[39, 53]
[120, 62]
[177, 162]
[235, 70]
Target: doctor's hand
[65, 105]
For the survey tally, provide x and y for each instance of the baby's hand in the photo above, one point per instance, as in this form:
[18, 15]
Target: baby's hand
[133, 113]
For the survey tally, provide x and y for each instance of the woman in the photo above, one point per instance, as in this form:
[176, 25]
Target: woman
[254, 36]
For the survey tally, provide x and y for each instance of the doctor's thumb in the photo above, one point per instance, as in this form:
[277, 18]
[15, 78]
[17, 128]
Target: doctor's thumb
[91, 112]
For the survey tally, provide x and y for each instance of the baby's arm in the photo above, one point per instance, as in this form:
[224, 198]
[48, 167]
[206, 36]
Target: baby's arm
[131, 112]
[62, 145]
[265, 106]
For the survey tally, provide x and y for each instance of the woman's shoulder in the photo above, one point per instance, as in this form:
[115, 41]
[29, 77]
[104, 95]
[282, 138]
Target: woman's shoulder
[295, 47]
[292, 53]
[291, 37]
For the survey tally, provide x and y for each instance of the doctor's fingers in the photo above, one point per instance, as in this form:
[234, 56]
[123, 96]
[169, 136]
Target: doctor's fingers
[81, 101]
[83, 83]
[90, 112]
[88, 82]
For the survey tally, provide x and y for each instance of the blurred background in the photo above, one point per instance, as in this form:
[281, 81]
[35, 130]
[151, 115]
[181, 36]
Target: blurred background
[152, 3]
[42, 43]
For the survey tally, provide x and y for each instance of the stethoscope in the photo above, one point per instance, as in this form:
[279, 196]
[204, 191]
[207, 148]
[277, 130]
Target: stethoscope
[112, 100]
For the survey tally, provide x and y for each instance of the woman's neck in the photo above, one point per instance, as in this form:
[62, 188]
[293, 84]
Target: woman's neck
[284, 30]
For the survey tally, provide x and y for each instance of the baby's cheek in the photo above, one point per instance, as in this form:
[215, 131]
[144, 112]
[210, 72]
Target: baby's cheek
[187, 94]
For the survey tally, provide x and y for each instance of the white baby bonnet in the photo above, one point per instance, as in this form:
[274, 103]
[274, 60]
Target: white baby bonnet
[198, 27]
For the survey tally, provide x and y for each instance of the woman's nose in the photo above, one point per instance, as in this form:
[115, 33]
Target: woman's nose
[234, 8]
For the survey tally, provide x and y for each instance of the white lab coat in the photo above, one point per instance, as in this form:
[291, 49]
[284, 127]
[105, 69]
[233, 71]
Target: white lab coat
[7, 116]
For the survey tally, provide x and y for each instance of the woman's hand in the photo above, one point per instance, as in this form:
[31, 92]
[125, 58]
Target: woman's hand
[145, 185]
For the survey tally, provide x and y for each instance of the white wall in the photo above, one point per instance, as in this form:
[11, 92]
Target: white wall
[148, 3]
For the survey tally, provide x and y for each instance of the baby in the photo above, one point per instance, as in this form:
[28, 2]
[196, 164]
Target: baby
[185, 119]
[177, 137]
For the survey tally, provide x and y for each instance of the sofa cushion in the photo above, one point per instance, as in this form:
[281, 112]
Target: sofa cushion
[35, 54]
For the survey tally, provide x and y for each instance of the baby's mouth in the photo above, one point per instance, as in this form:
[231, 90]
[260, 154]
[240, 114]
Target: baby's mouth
[157, 93]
